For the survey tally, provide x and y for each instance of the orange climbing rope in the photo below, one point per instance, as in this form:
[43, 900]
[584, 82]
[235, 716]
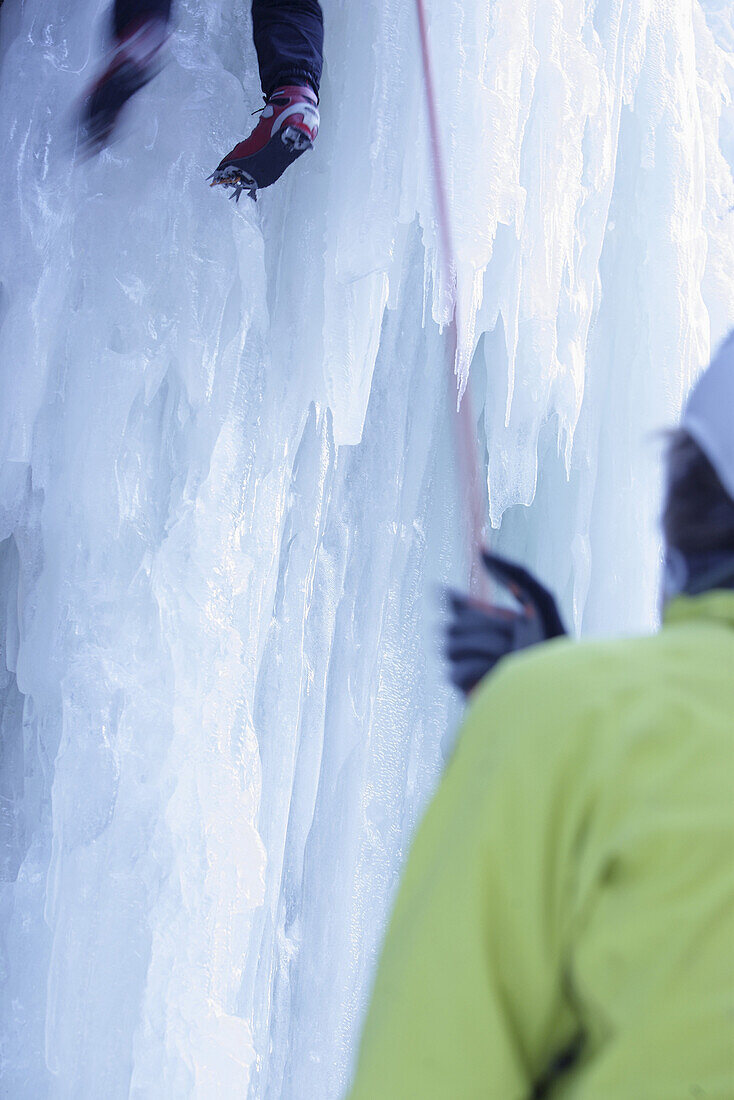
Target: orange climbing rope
[465, 422]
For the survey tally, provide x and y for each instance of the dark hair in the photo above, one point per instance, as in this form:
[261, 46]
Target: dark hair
[698, 515]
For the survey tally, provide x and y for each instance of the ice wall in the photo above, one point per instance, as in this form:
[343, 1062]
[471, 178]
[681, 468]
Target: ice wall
[228, 493]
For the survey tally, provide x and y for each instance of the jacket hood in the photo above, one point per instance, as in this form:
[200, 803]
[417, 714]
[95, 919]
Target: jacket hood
[709, 413]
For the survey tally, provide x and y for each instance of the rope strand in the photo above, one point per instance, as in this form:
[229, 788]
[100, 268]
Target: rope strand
[464, 417]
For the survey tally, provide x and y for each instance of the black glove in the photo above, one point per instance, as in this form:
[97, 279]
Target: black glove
[478, 634]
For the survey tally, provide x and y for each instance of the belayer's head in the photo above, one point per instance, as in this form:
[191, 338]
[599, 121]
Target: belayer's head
[698, 515]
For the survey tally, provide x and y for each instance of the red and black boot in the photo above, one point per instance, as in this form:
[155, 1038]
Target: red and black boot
[133, 60]
[288, 125]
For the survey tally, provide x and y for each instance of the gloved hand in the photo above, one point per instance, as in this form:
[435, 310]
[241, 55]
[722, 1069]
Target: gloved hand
[478, 634]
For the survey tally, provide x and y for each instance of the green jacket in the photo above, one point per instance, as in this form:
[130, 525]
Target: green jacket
[573, 880]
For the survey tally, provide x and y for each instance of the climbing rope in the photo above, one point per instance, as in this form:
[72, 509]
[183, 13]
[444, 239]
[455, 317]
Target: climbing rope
[464, 420]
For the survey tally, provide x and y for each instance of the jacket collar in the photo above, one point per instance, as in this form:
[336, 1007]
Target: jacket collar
[717, 605]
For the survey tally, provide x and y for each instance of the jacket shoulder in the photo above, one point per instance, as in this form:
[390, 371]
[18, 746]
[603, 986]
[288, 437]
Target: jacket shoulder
[565, 675]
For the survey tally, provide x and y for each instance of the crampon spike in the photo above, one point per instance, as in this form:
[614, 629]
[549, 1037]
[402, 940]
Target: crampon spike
[238, 181]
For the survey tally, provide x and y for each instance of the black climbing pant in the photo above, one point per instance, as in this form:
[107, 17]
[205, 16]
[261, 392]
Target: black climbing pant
[288, 34]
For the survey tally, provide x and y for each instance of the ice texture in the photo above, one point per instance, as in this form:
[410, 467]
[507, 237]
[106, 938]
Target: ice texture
[228, 491]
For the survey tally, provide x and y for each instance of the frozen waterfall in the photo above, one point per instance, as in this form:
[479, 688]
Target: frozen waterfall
[228, 493]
